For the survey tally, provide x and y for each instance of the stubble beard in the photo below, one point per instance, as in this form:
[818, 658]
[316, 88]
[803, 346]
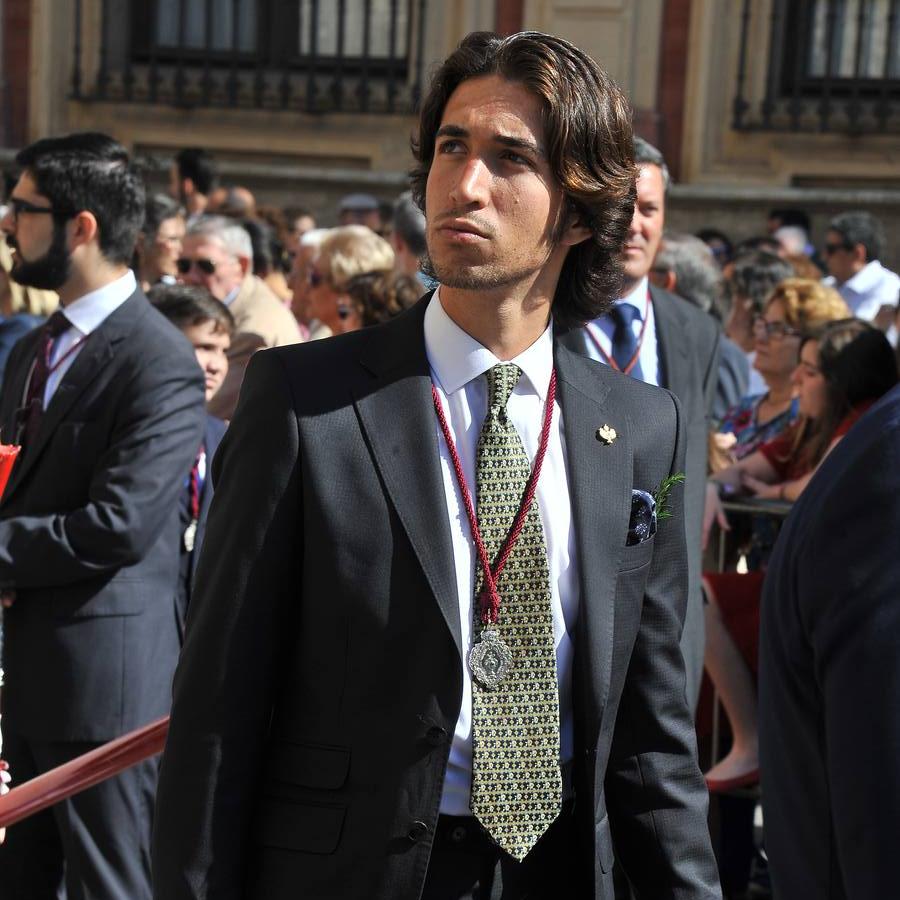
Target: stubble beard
[482, 277]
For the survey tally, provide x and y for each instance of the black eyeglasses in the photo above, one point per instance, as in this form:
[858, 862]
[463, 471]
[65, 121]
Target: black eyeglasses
[184, 265]
[833, 248]
[774, 331]
[19, 206]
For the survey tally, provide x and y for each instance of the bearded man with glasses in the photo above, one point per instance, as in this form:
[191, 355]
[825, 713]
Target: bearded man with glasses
[106, 401]
[218, 255]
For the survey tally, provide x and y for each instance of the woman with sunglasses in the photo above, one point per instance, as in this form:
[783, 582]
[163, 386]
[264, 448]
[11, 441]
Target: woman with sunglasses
[797, 307]
[841, 373]
[346, 253]
[159, 242]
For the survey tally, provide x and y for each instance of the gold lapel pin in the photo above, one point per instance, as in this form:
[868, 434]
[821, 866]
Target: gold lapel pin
[607, 434]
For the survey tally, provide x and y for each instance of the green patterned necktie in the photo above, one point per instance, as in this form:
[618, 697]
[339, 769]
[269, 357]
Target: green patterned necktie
[516, 780]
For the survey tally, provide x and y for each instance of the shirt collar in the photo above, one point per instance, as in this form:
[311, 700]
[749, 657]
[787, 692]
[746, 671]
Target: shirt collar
[866, 278]
[88, 312]
[232, 294]
[638, 297]
[456, 358]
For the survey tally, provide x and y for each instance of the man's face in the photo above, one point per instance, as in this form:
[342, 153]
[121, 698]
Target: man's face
[843, 262]
[214, 268]
[40, 256]
[647, 223]
[492, 203]
[211, 345]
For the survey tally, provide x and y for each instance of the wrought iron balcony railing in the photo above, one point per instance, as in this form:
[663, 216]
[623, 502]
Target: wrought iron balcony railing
[832, 66]
[304, 55]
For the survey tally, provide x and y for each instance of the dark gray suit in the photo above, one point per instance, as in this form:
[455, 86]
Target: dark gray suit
[87, 542]
[688, 346]
[829, 675]
[321, 677]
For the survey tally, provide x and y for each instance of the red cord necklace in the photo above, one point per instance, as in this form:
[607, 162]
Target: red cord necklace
[490, 597]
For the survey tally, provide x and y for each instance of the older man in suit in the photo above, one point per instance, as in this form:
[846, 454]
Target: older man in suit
[218, 255]
[662, 339]
[106, 401]
[829, 674]
[428, 660]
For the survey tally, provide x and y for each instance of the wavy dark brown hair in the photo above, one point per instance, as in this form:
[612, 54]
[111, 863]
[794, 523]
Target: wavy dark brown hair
[590, 147]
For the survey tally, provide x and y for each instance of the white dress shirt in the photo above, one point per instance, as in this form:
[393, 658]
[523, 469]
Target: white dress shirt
[458, 363]
[85, 315]
[868, 290]
[600, 331]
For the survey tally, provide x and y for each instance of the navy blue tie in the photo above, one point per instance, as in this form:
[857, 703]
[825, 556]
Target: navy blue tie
[624, 341]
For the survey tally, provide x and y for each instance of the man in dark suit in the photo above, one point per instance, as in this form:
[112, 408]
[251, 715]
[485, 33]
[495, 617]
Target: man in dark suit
[107, 402]
[829, 671]
[662, 339]
[366, 706]
[209, 326]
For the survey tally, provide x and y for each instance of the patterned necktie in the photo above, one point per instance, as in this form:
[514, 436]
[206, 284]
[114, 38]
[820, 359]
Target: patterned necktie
[624, 342]
[516, 780]
[33, 411]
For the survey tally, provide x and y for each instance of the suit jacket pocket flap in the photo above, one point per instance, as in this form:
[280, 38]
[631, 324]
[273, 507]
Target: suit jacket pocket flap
[636, 555]
[309, 765]
[307, 827]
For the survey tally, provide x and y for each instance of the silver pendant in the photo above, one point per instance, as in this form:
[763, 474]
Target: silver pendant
[190, 535]
[490, 660]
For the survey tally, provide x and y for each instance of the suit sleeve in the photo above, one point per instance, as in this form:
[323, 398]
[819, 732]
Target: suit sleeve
[133, 484]
[656, 798]
[241, 613]
[711, 373]
[849, 592]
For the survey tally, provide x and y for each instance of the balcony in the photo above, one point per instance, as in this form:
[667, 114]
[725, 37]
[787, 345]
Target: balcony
[305, 56]
[819, 66]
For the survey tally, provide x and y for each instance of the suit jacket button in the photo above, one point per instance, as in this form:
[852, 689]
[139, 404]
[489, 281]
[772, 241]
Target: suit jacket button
[418, 831]
[436, 736]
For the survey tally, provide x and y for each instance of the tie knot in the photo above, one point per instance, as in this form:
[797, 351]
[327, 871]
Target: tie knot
[625, 314]
[57, 324]
[501, 380]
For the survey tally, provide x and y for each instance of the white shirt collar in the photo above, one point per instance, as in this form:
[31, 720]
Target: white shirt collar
[638, 296]
[456, 358]
[88, 312]
[866, 279]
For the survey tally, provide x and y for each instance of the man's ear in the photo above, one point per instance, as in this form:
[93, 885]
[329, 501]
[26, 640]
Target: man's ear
[575, 232]
[244, 262]
[83, 229]
[859, 254]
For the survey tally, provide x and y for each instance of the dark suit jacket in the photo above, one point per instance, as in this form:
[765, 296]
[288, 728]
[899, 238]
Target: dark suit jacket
[829, 677]
[87, 531]
[688, 342]
[321, 677]
[213, 432]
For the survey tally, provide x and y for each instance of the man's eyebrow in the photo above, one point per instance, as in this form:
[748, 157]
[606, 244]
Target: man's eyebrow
[505, 139]
[520, 144]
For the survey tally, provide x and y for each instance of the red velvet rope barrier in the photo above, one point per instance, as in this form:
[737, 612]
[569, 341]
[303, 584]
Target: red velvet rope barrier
[82, 772]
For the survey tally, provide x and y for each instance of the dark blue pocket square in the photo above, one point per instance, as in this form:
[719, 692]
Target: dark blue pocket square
[642, 525]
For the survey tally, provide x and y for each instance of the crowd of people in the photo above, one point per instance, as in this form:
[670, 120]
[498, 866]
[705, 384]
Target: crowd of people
[775, 348]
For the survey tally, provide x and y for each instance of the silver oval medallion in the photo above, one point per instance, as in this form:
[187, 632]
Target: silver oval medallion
[490, 660]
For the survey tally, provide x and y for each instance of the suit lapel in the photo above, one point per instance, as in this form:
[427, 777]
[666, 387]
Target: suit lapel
[91, 360]
[397, 415]
[672, 348]
[600, 479]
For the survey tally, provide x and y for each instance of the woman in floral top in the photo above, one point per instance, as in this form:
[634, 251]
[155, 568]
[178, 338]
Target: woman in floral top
[840, 375]
[797, 308]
